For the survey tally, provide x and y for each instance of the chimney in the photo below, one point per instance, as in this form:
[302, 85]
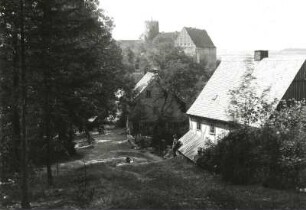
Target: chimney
[261, 54]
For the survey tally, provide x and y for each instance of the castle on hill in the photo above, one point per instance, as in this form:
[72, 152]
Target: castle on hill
[196, 43]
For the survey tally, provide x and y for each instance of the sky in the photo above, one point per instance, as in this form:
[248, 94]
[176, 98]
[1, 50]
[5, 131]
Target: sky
[231, 24]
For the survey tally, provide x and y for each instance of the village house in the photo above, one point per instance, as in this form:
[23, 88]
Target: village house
[197, 44]
[278, 77]
[155, 109]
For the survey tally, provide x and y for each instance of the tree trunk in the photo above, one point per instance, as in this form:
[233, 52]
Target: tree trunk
[49, 163]
[47, 86]
[23, 134]
[70, 145]
[15, 106]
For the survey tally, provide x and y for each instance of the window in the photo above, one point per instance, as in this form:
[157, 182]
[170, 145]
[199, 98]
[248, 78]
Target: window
[212, 130]
[198, 125]
[148, 94]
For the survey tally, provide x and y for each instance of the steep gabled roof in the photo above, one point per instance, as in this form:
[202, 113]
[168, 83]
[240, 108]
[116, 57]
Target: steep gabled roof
[144, 82]
[271, 76]
[200, 37]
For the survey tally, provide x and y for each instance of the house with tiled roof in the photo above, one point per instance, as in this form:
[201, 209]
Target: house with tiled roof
[197, 44]
[154, 108]
[277, 78]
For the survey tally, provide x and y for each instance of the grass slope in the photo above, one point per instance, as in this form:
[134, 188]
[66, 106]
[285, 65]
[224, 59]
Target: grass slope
[170, 184]
[148, 183]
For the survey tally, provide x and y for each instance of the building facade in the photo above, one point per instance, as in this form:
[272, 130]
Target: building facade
[274, 79]
[197, 44]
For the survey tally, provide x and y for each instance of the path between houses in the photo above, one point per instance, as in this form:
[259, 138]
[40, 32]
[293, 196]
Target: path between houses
[105, 160]
[111, 148]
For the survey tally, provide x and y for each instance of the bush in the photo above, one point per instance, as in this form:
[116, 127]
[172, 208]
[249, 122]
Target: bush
[266, 155]
[209, 158]
[236, 157]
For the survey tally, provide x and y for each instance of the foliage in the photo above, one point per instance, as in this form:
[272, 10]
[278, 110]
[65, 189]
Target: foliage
[267, 146]
[178, 73]
[247, 107]
[179, 77]
[273, 155]
[73, 71]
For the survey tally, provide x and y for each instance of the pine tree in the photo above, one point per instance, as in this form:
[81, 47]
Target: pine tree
[59, 67]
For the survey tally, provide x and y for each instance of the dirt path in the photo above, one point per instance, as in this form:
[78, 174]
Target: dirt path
[111, 148]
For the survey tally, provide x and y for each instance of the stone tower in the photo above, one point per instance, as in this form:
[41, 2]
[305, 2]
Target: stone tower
[151, 30]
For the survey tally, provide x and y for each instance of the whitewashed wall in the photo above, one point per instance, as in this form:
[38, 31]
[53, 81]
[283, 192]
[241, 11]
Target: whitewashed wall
[221, 129]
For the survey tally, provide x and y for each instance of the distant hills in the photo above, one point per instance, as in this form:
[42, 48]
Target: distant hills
[297, 51]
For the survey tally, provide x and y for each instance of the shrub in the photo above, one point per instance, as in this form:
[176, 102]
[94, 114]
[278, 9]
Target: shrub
[273, 155]
[209, 158]
[236, 157]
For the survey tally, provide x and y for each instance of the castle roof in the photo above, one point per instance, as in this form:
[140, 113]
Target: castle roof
[200, 37]
[271, 77]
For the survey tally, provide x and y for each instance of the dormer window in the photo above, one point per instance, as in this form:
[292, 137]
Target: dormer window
[148, 94]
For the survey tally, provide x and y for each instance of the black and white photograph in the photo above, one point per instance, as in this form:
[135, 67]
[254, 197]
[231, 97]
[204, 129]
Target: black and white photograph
[153, 104]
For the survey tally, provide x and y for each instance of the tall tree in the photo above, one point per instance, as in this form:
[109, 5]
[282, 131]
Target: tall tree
[60, 65]
[178, 73]
[14, 91]
[23, 85]
[9, 69]
[75, 61]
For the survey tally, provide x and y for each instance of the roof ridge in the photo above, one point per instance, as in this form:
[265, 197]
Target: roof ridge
[199, 37]
[194, 28]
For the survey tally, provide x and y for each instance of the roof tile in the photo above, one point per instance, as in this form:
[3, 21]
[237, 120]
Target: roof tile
[200, 37]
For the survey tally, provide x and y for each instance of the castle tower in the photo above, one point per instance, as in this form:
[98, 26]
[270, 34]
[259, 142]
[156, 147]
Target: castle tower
[151, 30]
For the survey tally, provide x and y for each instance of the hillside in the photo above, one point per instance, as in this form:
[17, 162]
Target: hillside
[102, 179]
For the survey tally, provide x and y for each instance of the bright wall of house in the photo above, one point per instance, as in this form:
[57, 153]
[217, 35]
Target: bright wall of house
[209, 129]
[183, 40]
